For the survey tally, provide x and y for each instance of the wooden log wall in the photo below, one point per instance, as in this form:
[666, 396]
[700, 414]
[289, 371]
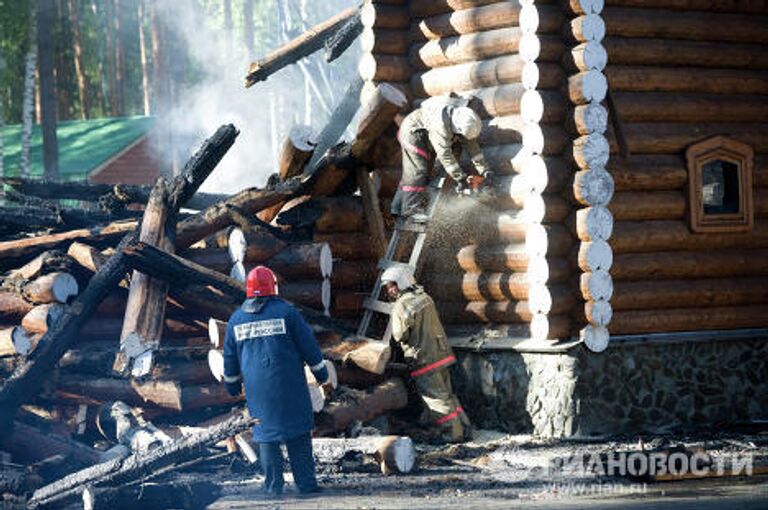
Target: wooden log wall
[506, 57]
[592, 184]
[681, 72]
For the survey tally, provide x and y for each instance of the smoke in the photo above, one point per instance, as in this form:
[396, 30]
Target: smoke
[213, 93]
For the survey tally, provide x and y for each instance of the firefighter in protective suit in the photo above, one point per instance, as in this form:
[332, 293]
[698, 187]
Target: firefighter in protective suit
[417, 328]
[266, 346]
[431, 132]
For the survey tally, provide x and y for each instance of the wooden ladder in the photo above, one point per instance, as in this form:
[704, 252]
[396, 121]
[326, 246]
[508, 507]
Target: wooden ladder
[372, 303]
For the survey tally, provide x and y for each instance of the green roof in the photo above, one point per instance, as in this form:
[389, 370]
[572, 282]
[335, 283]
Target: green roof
[84, 145]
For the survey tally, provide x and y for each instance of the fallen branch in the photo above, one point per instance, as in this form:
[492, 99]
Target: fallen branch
[139, 465]
[298, 48]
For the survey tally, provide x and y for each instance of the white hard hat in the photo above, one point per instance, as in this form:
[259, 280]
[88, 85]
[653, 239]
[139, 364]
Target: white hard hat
[401, 276]
[465, 122]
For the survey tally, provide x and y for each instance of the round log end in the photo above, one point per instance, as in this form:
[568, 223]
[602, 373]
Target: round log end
[599, 313]
[530, 76]
[596, 338]
[589, 27]
[528, 19]
[534, 208]
[533, 138]
[396, 454]
[531, 106]
[237, 272]
[530, 47]
[303, 137]
[595, 255]
[597, 285]
[591, 118]
[325, 296]
[539, 299]
[536, 241]
[539, 327]
[367, 67]
[594, 223]
[64, 287]
[326, 261]
[216, 364]
[593, 187]
[587, 86]
[538, 270]
[237, 245]
[392, 94]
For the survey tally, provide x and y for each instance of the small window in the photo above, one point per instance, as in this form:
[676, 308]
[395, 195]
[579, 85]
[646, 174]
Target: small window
[720, 185]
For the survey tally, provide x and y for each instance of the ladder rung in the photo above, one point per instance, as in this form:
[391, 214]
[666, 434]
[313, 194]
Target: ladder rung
[419, 228]
[386, 264]
[377, 306]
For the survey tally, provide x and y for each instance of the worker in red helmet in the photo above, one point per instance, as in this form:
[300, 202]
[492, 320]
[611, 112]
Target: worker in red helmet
[266, 346]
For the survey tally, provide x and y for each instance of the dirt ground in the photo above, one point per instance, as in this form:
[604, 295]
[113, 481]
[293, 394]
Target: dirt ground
[503, 471]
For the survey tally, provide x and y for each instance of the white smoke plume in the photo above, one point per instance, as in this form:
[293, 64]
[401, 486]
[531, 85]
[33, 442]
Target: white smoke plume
[218, 95]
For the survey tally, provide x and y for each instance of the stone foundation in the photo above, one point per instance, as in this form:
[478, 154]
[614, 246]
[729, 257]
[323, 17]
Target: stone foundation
[632, 387]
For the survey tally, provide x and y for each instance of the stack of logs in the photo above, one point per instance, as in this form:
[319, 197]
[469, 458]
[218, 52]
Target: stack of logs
[92, 327]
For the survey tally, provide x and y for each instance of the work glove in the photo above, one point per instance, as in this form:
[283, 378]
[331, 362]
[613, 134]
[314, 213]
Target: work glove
[234, 388]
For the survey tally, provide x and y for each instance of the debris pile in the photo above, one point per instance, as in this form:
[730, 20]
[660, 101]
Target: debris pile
[111, 334]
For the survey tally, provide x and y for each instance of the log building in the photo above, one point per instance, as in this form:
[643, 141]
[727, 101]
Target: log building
[619, 283]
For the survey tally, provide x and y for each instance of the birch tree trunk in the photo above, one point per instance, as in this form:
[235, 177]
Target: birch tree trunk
[28, 105]
[143, 57]
[77, 47]
[46, 12]
[119, 60]
[248, 27]
[228, 26]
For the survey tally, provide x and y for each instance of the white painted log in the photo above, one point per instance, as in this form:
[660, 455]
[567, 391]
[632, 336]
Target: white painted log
[596, 338]
[217, 330]
[396, 455]
[216, 364]
[596, 285]
[534, 208]
[237, 245]
[325, 295]
[591, 151]
[539, 327]
[587, 86]
[586, 6]
[40, 319]
[539, 299]
[538, 270]
[530, 47]
[533, 138]
[316, 397]
[528, 19]
[530, 76]
[52, 288]
[246, 449]
[531, 106]
[593, 187]
[333, 377]
[536, 240]
[518, 185]
[590, 56]
[589, 27]
[14, 341]
[238, 272]
[599, 313]
[590, 118]
[595, 255]
[533, 169]
[594, 223]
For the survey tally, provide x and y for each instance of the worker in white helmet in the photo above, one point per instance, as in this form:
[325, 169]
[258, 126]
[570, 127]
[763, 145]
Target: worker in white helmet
[417, 329]
[432, 131]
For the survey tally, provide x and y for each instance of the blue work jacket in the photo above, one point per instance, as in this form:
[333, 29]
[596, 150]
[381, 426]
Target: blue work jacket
[266, 346]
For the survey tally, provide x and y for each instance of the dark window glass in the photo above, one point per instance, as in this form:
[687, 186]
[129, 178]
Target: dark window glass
[720, 189]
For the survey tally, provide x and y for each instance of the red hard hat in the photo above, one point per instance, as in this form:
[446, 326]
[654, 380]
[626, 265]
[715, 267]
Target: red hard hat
[261, 282]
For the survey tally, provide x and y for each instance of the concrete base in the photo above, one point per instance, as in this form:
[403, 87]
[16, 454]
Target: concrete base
[636, 386]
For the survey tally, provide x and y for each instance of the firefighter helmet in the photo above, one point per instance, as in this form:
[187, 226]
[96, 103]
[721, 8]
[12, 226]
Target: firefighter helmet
[401, 276]
[465, 122]
[261, 282]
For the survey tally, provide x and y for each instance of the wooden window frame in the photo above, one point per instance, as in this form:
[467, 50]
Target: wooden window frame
[732, 151]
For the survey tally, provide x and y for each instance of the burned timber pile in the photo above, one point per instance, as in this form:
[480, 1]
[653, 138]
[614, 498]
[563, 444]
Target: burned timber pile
[111, 324]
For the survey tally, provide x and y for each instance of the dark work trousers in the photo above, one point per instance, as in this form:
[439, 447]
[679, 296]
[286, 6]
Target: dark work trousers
[411, 196]
[449, 418]
[302, 465]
